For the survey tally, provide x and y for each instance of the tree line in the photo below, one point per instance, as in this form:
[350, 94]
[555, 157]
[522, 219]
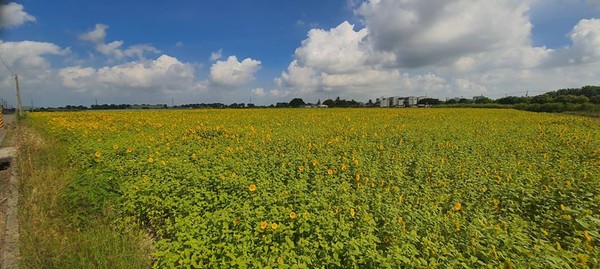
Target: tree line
[585, 98]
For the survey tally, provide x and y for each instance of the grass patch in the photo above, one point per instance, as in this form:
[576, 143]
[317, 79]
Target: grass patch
[49, 238]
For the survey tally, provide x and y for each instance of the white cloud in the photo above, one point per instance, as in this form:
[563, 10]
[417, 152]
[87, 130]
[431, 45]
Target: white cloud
[430, 32]
[114, 49]
[444, 49]
[280, 93]
[338, 50]
[97, 35]
[216, 55]
[163, 74]
[231, 73]
[29, 55]
[13, 15]
[258, 91]
[585, 48]
[300, 78]
[335, 60]
[77, 77]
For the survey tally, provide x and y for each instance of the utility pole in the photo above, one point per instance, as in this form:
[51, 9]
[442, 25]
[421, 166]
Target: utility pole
[19, 112]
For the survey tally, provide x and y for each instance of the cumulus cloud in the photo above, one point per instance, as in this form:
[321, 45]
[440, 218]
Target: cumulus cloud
[165, 73]
[454, 48]
[97, 35]
[338, 60]
[585, 48]
[216, 55]
[29, 55]
[14, 15]
[232, 73]
[302, 79]
[258, 91]
[77, 77]
[338, 50]
[429, 32]
[114, 49]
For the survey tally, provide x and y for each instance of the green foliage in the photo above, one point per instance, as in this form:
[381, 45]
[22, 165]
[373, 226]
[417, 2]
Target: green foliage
[67, 227]
[297, 102]
[483, 100]
[429, 101]
[360, 188]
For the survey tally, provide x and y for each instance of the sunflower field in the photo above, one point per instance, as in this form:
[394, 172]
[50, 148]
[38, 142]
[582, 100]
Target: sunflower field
[341, 188]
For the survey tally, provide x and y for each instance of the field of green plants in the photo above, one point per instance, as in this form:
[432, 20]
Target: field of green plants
[341, 188]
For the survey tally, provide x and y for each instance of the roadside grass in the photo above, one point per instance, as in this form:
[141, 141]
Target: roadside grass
[49, 238]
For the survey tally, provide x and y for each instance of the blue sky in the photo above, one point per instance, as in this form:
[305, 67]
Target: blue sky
[74, 52]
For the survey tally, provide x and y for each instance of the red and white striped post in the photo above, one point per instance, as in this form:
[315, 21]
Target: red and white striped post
[1, 117]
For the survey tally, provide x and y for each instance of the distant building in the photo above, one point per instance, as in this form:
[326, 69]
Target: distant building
[384, 102]
[397, 101]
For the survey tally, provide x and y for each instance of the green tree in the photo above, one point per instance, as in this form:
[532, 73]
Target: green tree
[483, 100]
[542, 99]
[297, 102]
[429, 101]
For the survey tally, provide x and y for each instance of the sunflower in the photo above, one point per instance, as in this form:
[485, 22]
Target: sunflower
[274, 226]
[352, 212]
[263, 225]
[293, 215]
[97, 154]
[457, 206]
[252, 187]
[587, 235]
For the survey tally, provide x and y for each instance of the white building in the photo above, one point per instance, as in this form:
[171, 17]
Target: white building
[384, 102]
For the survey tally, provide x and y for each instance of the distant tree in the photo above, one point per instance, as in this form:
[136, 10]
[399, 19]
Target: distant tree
[595, 99]
[573, 99]
[329, 103]
[370, 103]
[509, 100]
[282, 105]
[542, 99]
[297, 102]
[483, 100]
[429, 101]
[353, 103]
[464, 101]
[590, 91]
[319, 102]
[452, 101]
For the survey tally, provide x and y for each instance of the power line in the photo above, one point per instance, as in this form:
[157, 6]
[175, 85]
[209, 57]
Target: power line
[17, 93]
[6, 65]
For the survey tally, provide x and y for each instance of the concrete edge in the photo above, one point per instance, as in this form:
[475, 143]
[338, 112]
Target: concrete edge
[10, 252]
